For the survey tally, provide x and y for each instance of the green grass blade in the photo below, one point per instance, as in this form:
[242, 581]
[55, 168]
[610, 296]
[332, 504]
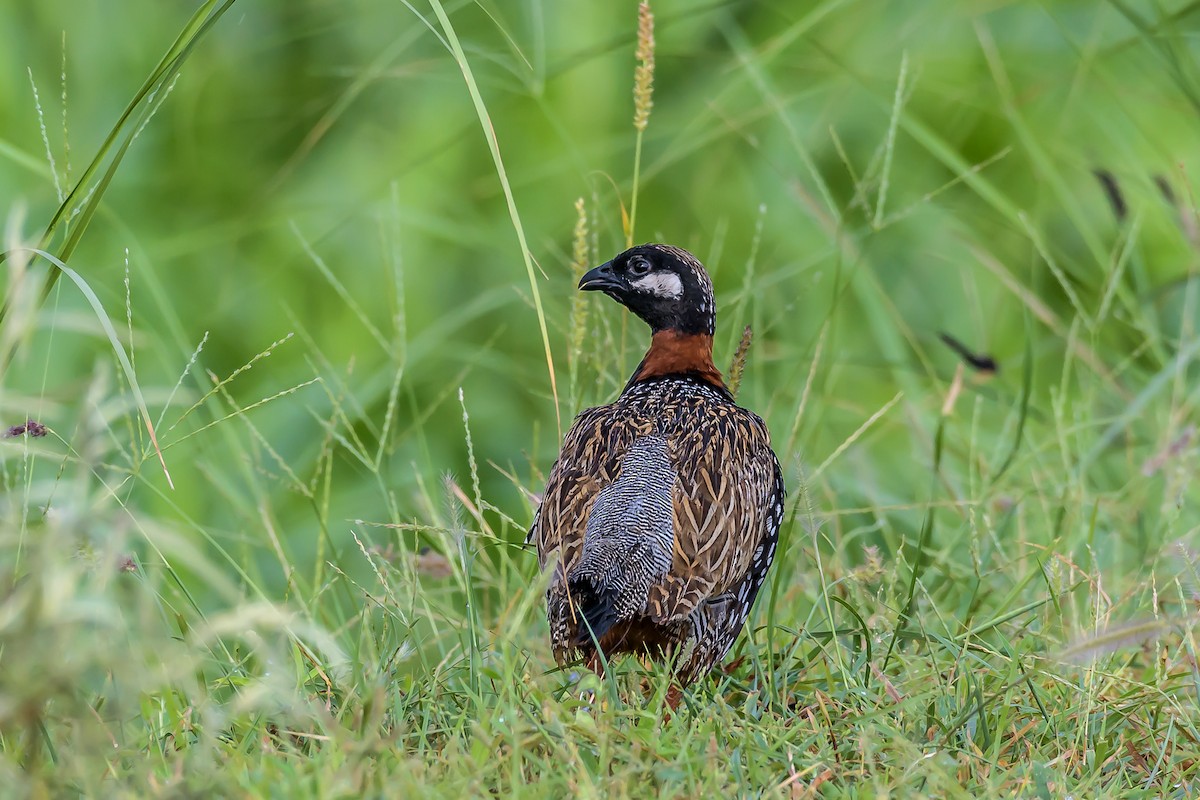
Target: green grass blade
[114, 340]
[489, 133]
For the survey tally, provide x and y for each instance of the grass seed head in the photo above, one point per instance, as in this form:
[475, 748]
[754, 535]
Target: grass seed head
[29, 427]
[643, 76]
[579, 265]
[738, 367]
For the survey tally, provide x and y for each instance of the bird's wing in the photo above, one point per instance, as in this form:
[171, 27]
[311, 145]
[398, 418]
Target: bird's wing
[728, 506]
[590, 459]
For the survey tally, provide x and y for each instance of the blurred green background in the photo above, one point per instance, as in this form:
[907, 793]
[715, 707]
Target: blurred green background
[859, 177]
[343, 132]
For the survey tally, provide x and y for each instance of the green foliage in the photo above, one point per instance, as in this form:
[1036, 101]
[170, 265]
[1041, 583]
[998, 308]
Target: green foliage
[321, 264]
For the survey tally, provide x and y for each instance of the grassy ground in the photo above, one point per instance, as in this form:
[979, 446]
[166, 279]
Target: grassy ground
[305, 337]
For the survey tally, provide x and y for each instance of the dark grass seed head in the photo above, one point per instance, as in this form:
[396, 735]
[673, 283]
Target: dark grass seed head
[31, 428]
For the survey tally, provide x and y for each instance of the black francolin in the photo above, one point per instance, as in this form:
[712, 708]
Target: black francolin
[662, 512]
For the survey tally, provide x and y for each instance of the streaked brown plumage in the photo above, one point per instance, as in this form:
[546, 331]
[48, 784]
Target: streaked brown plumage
[662, 513]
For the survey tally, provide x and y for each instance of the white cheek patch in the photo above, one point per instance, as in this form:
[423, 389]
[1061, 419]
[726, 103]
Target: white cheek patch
[662, 284]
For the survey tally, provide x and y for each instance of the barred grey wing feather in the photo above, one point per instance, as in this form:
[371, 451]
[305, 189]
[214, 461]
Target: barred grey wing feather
[628, 541]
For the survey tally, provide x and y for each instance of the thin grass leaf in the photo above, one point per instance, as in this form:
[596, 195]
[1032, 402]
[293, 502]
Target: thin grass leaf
[890, 143]
[200, 23]
[118, 350]
[919, 557]
[1023, 407]
[489, 133]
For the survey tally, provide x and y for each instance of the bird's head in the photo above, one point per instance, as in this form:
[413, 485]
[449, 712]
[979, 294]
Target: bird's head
[666, 286]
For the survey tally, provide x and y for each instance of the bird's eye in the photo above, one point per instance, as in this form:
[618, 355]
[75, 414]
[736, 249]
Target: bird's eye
[639, 266]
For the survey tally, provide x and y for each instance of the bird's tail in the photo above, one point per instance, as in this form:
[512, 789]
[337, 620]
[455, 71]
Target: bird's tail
[611, 583]
[595, 604]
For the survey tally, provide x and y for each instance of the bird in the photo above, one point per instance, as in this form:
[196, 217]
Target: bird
[661, 515]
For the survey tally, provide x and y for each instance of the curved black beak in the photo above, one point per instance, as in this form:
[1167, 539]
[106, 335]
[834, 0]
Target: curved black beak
[600, 279]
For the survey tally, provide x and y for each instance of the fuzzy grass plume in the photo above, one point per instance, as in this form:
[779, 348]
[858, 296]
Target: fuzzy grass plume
[1120, 636]
[738, 366]
[643, 74]
[579, 304]
[643, 101]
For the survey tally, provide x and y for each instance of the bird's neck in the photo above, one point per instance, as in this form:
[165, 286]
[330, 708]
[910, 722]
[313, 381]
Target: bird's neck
[673, 352]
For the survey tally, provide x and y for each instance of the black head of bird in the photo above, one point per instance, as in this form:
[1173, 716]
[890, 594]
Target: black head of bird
[663, 285]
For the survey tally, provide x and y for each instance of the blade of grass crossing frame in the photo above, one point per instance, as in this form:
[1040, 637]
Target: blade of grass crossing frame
[111, 332]
[200, 23]
[489, 133]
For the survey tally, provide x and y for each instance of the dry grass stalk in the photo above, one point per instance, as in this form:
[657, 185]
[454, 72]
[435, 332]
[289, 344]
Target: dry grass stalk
[1177, 445]
[955, 390]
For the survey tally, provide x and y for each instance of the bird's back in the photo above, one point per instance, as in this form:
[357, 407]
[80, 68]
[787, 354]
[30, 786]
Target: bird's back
[661, 513]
